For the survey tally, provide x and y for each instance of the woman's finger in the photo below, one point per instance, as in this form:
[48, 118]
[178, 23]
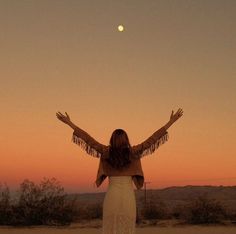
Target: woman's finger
[60, 114]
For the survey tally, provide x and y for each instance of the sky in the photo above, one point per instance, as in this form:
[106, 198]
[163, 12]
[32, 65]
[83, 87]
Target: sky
[68, 56]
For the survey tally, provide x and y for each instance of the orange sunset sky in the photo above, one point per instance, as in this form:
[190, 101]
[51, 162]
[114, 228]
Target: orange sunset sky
[68, 56]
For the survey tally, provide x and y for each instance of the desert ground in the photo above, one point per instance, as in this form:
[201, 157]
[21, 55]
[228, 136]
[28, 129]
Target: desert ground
[94, 227]
[146, 230]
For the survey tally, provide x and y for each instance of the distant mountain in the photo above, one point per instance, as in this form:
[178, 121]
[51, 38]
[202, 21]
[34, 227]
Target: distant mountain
[189, 192]
[171, 196]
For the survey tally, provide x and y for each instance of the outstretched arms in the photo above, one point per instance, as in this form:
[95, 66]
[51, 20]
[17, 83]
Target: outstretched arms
[82, 138]
[157, 138]
[96, 149]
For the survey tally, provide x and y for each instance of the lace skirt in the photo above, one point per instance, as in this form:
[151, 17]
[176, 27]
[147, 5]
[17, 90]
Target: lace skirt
[119, 206]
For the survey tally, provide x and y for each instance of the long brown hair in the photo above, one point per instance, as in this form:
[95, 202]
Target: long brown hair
[119, 151]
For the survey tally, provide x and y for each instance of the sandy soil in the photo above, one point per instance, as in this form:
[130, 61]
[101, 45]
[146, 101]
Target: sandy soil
[144, 230]
[170, 226]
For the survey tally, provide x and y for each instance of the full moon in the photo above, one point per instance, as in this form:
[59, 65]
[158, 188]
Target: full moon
[121, 28]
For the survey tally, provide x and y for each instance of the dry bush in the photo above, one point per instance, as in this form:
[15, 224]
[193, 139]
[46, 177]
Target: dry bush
[41, 204]
[157, 210]
[138, 215]
[5, 207]
[231, 215]
[90, 211]
[178, 211]
[203, 210]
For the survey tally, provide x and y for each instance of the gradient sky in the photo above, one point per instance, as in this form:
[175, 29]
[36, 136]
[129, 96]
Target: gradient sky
[69, 56]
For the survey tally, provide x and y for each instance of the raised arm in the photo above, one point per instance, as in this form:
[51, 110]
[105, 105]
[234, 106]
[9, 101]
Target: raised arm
[82, 138]
[158, 138]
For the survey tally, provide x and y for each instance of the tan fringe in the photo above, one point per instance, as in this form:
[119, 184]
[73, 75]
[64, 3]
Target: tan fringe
[90, 150]
[155, 145]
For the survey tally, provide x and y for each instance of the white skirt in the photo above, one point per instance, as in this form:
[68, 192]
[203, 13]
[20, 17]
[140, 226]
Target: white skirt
[119, 206]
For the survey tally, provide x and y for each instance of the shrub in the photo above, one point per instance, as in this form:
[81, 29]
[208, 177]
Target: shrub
[45, 203]
[138, 215]
[90, 211]
[178, 211]
[154, 210]
[5, 207]
[232, 216]
[203, 210]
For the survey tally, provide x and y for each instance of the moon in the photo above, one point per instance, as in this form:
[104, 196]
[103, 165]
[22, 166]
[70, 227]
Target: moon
[121, 28]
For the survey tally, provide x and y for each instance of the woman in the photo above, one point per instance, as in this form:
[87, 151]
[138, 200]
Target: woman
[120, 162]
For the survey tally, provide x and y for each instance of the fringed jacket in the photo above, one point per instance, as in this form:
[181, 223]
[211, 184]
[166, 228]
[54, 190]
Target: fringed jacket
[134, 169]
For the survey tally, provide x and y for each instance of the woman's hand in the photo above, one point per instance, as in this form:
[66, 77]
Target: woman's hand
[63, 118]
[176, 116]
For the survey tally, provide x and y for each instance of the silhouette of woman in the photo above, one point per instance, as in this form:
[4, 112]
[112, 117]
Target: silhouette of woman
[121, 163]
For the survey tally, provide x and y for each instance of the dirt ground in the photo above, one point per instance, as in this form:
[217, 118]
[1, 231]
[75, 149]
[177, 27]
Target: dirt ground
[146, 227]
[139, 230]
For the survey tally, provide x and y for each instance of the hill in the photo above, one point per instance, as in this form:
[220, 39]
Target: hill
[171, 196]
